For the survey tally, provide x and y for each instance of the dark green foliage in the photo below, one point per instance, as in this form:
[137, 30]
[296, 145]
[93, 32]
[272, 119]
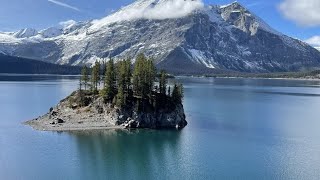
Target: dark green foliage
[10, 64]
[143, 77]
[81, 98]
[124, 82]
[177, 93]
[85, 77]
[95, 77]
[132, 90]
[110, 89]
[121, 98]
[163, 82]
[128, 73]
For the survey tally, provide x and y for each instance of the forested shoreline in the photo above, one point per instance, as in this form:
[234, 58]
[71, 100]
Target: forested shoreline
[18, 65]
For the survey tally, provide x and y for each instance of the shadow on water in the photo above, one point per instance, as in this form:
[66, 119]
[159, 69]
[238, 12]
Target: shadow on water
[137, 154]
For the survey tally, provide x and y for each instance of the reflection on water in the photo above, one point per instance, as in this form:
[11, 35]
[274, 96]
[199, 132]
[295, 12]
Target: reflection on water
[136, 154]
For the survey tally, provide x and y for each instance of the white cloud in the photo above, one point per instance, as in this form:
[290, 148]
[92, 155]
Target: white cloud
[303, 12]
[67, 23]
[64, 5]
[313, 41]
[146, 10]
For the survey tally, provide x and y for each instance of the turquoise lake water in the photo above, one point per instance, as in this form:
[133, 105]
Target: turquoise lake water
[238, 129]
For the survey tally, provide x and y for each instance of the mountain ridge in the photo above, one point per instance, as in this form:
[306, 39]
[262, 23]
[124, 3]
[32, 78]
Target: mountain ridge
[207, 39]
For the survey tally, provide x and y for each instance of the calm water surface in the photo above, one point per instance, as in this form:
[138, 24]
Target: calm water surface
[238, 129]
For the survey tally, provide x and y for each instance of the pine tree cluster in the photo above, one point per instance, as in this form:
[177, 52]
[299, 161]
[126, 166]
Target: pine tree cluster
[125, 86]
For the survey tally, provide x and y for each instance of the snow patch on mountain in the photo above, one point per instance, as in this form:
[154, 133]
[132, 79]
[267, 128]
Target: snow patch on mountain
[201, 58]
[7, 38]
[51, 32]
[95, 58]
[25, 33]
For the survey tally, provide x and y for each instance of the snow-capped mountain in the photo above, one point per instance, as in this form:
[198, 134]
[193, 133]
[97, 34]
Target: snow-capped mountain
[25, 33]
[51, 32]
[183, 36]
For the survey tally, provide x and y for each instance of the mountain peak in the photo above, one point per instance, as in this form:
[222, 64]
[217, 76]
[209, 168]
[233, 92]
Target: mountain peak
[234, 4]
[243, 19]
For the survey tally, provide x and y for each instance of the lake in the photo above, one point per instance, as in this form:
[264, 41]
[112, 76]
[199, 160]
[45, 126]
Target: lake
[238, 129]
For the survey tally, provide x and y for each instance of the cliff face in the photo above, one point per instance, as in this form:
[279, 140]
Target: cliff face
[97, 114]
[174, 118]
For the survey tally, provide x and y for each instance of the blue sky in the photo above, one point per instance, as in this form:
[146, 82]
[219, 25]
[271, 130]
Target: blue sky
[17, 14]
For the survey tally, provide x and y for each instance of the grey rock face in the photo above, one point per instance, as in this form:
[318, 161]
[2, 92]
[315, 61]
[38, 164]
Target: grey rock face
[207, 40]
[165, 119]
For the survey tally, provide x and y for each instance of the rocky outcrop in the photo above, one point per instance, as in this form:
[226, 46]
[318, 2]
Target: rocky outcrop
[162, 119]
[97, 114]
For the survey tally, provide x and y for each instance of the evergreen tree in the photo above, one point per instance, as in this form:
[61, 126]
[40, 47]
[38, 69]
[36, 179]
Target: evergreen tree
[177, 93]
[85, 76]
[122, 75]
[143, 76]
[150, 76]
[92, 78]
[98, 74]
[95, 77]
[109, 90]
[138, 75]
[120, 98]
[163, 82]
[123, 82]
[181, 92]
[128, 74]
[81, 99]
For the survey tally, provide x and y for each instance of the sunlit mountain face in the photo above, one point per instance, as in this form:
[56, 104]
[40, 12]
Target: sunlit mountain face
[182, 36]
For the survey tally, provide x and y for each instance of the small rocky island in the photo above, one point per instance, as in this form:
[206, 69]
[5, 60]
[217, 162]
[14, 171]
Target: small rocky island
[124, 97]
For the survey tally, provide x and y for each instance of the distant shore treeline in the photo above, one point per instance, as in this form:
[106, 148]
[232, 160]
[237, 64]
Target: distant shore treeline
[315, 74]
[18, 65]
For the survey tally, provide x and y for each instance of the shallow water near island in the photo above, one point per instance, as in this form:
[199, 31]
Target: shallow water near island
[238, 129]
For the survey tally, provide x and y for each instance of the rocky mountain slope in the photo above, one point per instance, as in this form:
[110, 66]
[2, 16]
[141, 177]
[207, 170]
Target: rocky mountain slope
[206, 39]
